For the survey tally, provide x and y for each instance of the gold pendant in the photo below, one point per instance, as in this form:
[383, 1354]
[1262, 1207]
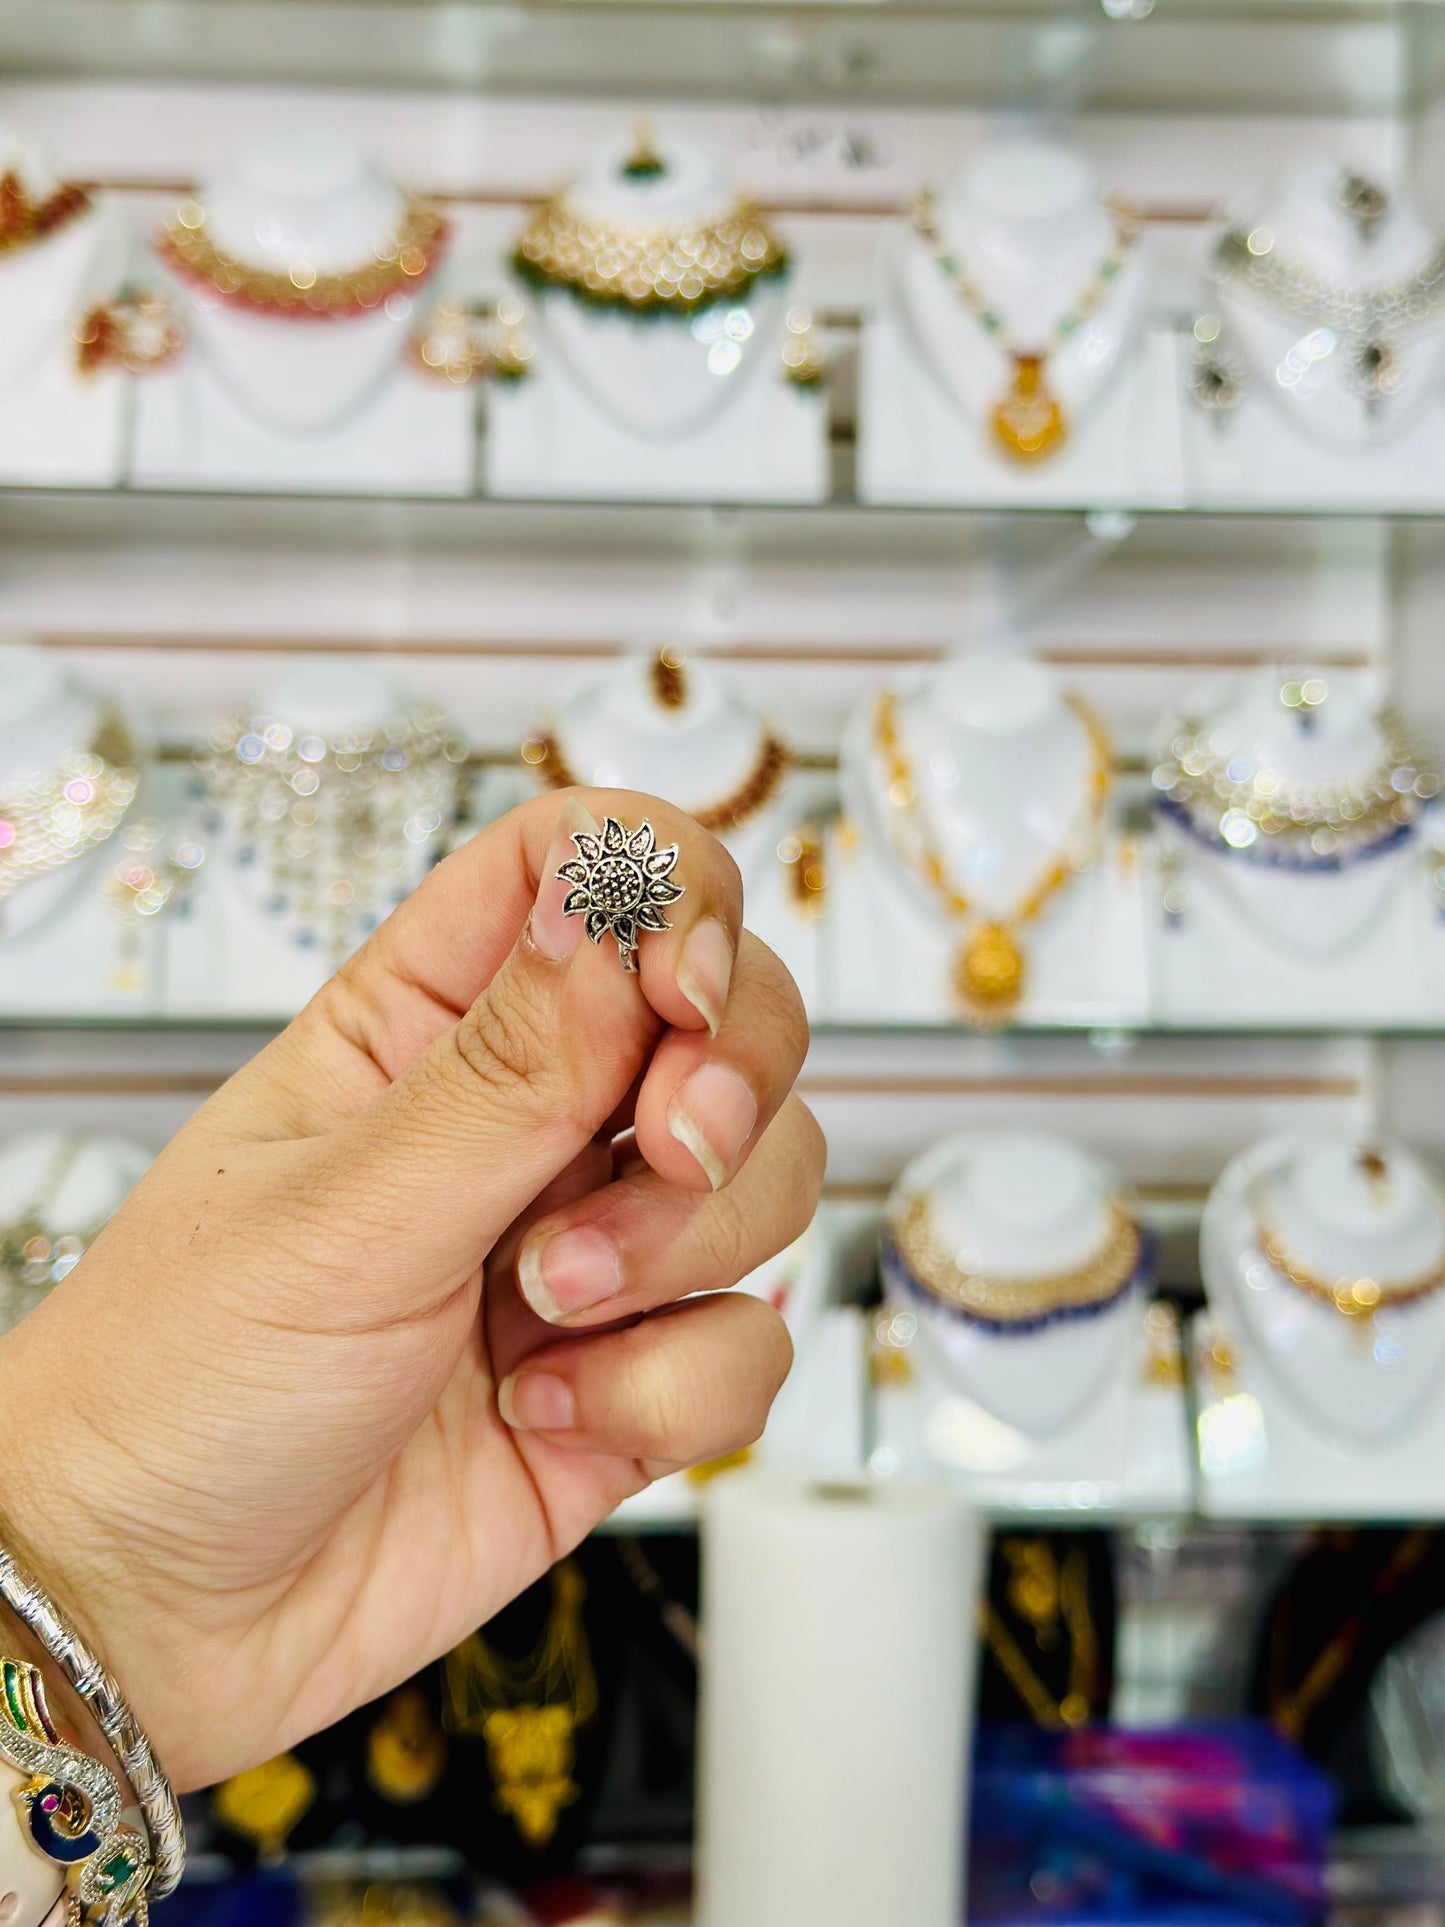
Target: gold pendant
[989, 973]
[265, 1803]
[531, 1751]
[406, 1754]
[1029, 421]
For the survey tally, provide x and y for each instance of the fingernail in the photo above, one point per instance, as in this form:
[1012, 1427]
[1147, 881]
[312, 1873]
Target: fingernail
[705, 969]
[713, 1115]
[555, 935]
[537, 1402]
[566, 1272]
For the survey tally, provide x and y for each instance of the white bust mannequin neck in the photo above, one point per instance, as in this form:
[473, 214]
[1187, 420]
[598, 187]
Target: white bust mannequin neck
[334, 699]
[42, 717]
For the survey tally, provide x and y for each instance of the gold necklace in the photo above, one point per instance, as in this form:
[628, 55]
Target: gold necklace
[1042, 1590]
[528, 1710]
[25, 220]
[1029, 419]
[659, 267]
[989, 972]
[1022, 1303]
[1351, 1297]
[758, 787]
[301, 291]
[406, 1753]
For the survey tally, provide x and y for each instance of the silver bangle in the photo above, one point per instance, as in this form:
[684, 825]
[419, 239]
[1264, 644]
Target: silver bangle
[152, 1790]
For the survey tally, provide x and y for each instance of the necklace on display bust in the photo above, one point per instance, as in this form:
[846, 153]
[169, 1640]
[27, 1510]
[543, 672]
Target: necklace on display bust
[339, 827]
[1029, 419]
[398, 266]
[758, 787]
[52, 819]
[1370, 320]
[989, 974]
[34, 1255]
[25, 220]
[1225, 800]
[671, 266]
[916, 1258]
[1358, 1297]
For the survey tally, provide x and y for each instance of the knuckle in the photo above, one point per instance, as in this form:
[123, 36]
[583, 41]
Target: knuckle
[724, 1252]
[666, 1400]
[505, 1040]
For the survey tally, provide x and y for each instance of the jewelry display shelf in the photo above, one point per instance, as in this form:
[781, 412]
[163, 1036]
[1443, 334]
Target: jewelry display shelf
[1115, 53]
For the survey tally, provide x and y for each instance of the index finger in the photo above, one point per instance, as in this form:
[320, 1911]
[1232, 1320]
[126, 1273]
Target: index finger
[418, 974]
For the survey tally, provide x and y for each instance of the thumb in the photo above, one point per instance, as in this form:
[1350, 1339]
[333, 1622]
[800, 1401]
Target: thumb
[434, 1170]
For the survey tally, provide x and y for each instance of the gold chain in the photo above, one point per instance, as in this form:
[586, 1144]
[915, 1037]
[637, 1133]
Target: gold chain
[1023, 1300]
[989, 973]
[1073, 1598]
[25, 220]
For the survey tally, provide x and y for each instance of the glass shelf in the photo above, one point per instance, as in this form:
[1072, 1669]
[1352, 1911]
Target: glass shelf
[481, 525]
[1292, 56]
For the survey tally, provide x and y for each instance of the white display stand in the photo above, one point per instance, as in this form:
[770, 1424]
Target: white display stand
[1313, 1414]
[68, 1182]
[1258, 942]
[614, 732]
[232, 956]
[60, 941]
[1065, 1418]
[58, 427]
[1004, 769]
[1300, 437]
[271, 401]
[1028, 220]
[655, 407]
[818, 1421]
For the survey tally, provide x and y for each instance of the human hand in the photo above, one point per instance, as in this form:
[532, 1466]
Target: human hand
[294, 1425]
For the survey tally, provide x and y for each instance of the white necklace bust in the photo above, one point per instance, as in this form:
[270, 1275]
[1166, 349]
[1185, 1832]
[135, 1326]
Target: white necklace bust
[1303, 220]
[1023, 1206]
[1027, 221]
[307, 201]
[1364, 1219]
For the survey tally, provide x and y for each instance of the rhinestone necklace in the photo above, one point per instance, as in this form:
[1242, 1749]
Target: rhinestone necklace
[339, 828]
[55, 818]
[916, 1256]
[1370, 320]
[1029, 419]
[1263, 815]
[989, 973]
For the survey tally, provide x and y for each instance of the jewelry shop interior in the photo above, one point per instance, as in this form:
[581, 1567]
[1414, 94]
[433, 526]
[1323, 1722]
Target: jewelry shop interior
[985, 460]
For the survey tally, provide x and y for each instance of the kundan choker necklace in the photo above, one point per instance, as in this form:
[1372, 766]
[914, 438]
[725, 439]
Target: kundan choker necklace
[658, 267]
[1370, 320]
[1028, 420]
[24, 220]
[56, 817]
[989, 974]
[758, 787]
[303, 292]
[1227, 801]
[916, 1257]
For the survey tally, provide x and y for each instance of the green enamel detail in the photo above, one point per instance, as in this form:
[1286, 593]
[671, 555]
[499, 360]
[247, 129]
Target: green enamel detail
[1109, 269]
[1067, 324]
[12, 1696]
[990, 319]
[117, 1870]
